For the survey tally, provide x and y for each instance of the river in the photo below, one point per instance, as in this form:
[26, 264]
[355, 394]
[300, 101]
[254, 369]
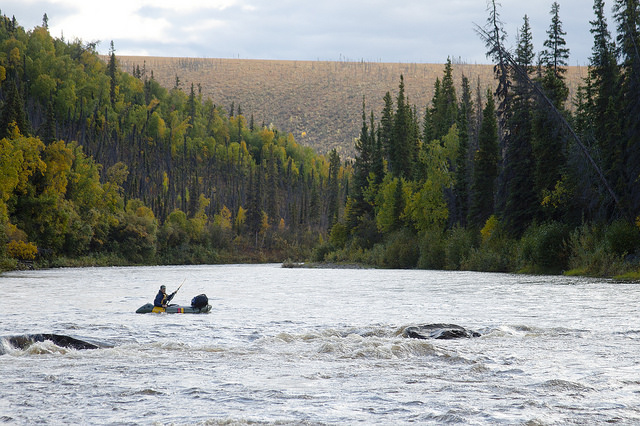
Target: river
[320, 346]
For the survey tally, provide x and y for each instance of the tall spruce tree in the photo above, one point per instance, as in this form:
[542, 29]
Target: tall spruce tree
[627, 15]
[494, 35]
[485, 167]
[401, 155]
[520, 206]
[556, 54]
[360, 207]
[364, 154]
[427, 126]
[549, 138]
[377, 156]
[445, 105]
[461, 186]
[603, 103]
[386, 128]
[49, 131]
[13, 112]
[333, 195]
[254, 204]
[112, 72]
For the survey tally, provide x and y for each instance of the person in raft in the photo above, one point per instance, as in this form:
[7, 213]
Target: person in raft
[162, 298]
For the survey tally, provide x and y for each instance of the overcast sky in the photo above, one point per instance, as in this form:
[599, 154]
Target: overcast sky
[422, 31]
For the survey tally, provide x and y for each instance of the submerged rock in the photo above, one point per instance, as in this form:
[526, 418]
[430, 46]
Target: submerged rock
[26, 340]
[439, 331]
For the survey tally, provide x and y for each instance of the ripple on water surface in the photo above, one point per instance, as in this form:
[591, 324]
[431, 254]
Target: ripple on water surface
[322, 347]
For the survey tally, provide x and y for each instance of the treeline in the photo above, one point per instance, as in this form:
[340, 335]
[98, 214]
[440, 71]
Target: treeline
[520, 179]
[101, 166]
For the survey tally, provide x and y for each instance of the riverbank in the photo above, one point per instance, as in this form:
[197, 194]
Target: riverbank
[549, 252]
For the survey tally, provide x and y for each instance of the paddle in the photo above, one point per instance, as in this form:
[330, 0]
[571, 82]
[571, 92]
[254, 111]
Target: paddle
[174, 293]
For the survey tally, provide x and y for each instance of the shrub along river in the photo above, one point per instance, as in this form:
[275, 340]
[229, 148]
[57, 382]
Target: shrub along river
[319, 346]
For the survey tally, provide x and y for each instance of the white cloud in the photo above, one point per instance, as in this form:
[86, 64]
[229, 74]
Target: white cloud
[386, 30]
[188, 6]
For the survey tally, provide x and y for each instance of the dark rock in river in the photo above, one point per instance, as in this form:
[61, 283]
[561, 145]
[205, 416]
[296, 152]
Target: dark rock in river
[439, 331]
[26, 340]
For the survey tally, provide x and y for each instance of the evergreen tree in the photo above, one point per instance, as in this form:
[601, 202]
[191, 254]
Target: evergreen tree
[495, 36]
[254, 204]
[520, 205]
[362, 165]
[485, 167]
[462, 183]
[333, 196]
[548, 137]
[271, 191]
[360, 207]
[49, 132]
[414, 143]
[445, 105]
[112, 71]
[191, 103]
[401, 154]
[428, 131]
[603, 103]
[386, 128]
[627, 15]
[377, 157]
[13, 112]
[556, 54]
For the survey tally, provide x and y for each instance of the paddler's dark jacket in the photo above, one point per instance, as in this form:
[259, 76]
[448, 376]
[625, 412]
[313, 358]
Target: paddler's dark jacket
[162, 299]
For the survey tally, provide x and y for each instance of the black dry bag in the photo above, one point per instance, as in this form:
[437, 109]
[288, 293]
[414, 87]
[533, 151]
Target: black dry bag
[200, 301]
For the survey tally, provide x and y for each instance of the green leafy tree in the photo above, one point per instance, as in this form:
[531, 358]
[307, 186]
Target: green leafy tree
[135, 234]
[426, 207]
[390, 205]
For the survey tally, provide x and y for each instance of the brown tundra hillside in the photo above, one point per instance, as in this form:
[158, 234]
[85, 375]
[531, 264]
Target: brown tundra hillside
[319, 102]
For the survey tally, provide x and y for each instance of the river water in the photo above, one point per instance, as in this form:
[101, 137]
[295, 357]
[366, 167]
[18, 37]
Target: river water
[320, 346]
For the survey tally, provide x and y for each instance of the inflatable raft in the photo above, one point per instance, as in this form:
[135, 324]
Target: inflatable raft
[172, 309]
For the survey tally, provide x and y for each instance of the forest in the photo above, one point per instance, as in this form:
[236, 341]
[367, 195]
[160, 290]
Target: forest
[100, 166]
[520, 179]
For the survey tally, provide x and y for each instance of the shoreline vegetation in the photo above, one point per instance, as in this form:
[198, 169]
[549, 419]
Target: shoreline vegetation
[586, 251]
[523, 174]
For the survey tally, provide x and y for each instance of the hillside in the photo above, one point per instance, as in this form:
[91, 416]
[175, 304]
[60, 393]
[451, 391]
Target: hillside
[319, 102]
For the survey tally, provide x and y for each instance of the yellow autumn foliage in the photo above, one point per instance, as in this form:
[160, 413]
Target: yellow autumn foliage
[223, 219]
[490, 227]
[21, 250]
